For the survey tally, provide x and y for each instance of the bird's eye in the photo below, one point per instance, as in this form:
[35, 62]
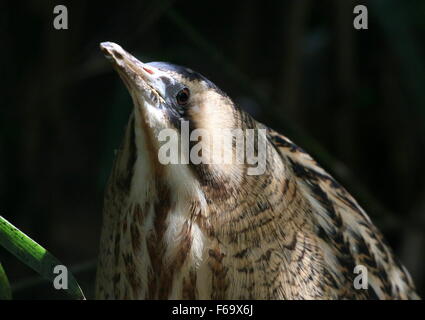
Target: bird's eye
[183, 96]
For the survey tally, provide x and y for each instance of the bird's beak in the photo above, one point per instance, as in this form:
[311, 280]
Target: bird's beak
[142, 81]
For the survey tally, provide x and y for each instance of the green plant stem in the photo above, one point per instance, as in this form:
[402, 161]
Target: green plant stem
[5, 292]
[34, 256]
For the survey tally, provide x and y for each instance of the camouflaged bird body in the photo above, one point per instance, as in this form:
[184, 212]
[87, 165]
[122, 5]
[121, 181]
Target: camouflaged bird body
[292, 233]
[212, 231]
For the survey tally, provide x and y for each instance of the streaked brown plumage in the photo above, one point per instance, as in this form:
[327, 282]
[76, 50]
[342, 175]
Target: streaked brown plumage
[214, 232]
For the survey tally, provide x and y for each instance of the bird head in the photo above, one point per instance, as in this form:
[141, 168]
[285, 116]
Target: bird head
[178, 108]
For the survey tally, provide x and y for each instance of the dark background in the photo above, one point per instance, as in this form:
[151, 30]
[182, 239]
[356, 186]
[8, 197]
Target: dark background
[354, 99]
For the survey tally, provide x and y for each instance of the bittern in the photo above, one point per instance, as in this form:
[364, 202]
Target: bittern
[213, 230]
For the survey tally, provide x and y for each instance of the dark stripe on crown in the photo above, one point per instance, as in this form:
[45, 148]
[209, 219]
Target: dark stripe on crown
[183, 71]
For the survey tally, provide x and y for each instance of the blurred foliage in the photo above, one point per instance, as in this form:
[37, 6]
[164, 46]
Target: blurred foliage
[34, 256]
[5, 292]
[354, 99]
